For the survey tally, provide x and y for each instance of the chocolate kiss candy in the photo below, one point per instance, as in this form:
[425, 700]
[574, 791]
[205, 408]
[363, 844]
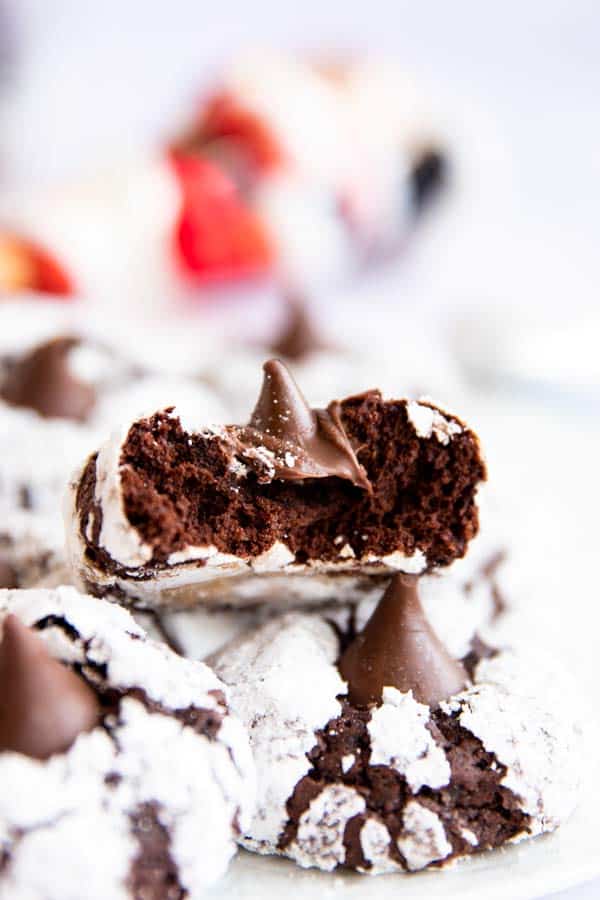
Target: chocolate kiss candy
[398, 648]
[8, 577]
[41, 381]
[298, 338]
[281, 410]
[43, 704]
[307, 443]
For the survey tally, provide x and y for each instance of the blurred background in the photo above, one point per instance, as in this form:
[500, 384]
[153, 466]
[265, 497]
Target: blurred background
[512, 88]
[490, 296]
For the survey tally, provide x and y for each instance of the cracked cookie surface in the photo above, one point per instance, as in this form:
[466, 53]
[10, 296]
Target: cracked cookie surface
[397, 786]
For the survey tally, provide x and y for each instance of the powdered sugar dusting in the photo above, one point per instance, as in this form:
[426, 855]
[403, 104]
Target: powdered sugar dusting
[412, 565]
[423, 840]
[417, 756]
[265, 669]
[427, 420]
[539, 749]
[120, 539]
[375, 845]
[276, 557]
[321, 828]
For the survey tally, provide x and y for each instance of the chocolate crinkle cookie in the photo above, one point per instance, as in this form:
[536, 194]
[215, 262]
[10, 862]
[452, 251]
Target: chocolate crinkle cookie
[125, 775]
[172, 512]
[378, 751]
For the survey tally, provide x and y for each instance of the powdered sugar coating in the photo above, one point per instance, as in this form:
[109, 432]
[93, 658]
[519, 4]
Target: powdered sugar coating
[281, 719]
[417, 757]
[199, 632]
[536, 746]
[455, 612]
[197, 781]
[276, 557]
[38, 455]
[374, 843]
[321, 828]
[424, 839]
[427, 420]
[116, 534]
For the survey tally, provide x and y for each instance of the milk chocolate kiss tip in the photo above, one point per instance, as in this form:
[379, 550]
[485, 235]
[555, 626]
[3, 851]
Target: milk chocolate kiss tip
[398, 648]
[282, 410]
[306, 443]
[44, 706]
[41, 380]
[298, 338]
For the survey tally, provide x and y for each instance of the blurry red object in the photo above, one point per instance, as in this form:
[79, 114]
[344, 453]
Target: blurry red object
[217, 236]
[25, 265]
[223, 117]
[51, 276]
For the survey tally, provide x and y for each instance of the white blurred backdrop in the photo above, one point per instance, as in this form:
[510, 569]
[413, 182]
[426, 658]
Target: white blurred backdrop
[516, 85]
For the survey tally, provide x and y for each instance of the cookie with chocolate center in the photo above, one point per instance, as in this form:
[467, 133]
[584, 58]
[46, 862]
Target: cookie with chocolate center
[172, 512]
[111, 744]
[379, 751]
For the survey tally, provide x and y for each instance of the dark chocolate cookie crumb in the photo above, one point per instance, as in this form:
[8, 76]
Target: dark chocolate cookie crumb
[154, 875]
[475, 798]
[479, 650]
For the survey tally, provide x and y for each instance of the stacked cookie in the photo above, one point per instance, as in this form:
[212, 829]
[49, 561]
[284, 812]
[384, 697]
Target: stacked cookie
[66, 382]
[303, 552]
[376, 747]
